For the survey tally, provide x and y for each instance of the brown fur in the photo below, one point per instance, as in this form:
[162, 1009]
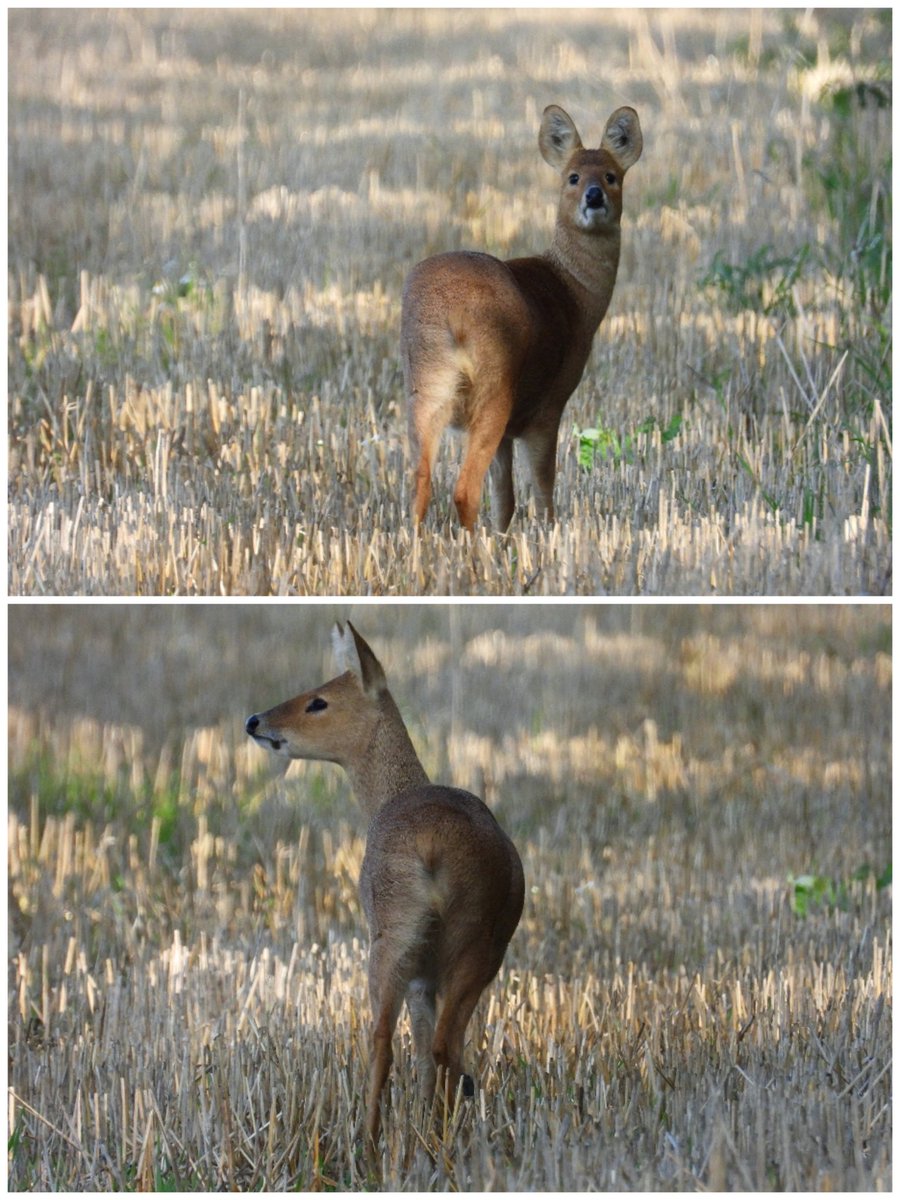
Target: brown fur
[441, 884]
[497, 348]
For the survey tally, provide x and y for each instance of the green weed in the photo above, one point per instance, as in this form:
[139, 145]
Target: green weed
[763, 282]
[811, 892]
[601, 442]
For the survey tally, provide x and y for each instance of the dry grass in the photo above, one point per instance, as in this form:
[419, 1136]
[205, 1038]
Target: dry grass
[210, 217]
[187, 989]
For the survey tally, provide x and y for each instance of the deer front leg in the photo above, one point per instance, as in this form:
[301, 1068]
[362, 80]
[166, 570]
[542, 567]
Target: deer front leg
[540, 445]
[503, 497]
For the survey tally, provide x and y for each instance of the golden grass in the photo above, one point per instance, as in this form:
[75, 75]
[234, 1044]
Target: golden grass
[211, 215]
[187, 985]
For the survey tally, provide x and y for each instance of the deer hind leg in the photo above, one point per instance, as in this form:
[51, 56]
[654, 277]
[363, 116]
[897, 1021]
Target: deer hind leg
[382, 1057]
[431, 397]
[386, 988]
[488, 416]
[461, 996]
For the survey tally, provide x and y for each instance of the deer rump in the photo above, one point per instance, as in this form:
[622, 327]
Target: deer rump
[442, 889]
[522, 303]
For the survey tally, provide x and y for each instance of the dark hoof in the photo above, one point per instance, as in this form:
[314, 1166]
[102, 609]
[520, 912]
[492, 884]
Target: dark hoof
[468, 1086]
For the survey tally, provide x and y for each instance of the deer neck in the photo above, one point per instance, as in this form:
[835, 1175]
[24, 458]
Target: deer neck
[387, 765]
[588, 262]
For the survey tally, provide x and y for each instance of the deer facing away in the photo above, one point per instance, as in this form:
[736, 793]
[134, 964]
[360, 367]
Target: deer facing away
[441, 884]
[496, 348]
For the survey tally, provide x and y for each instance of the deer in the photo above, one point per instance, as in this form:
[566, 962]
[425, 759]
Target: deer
[441, 884]
[495, 349]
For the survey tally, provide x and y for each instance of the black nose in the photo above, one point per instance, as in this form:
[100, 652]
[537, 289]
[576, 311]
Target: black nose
[593, 197]
[251, 723]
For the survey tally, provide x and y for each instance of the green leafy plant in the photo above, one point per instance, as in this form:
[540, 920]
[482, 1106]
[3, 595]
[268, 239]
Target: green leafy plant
[604, 442]
[810, 892]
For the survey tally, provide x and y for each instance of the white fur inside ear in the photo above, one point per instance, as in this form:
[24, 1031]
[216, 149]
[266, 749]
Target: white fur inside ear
[558, 139]
[623, 137]
[344, 646]
[560, 132]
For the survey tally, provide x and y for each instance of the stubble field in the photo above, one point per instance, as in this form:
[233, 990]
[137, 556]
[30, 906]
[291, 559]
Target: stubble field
[699, 993]
[211, 214]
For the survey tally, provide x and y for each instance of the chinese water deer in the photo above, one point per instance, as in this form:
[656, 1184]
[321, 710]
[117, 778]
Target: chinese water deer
[496, 348]
[441, 883]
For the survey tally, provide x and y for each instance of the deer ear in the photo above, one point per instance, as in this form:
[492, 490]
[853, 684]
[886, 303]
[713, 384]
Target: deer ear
[558, 139]
[623, 138]
[355, 655]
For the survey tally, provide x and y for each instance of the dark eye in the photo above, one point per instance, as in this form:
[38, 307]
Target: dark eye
[317, 704]
[573, 179]
[610, 178]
